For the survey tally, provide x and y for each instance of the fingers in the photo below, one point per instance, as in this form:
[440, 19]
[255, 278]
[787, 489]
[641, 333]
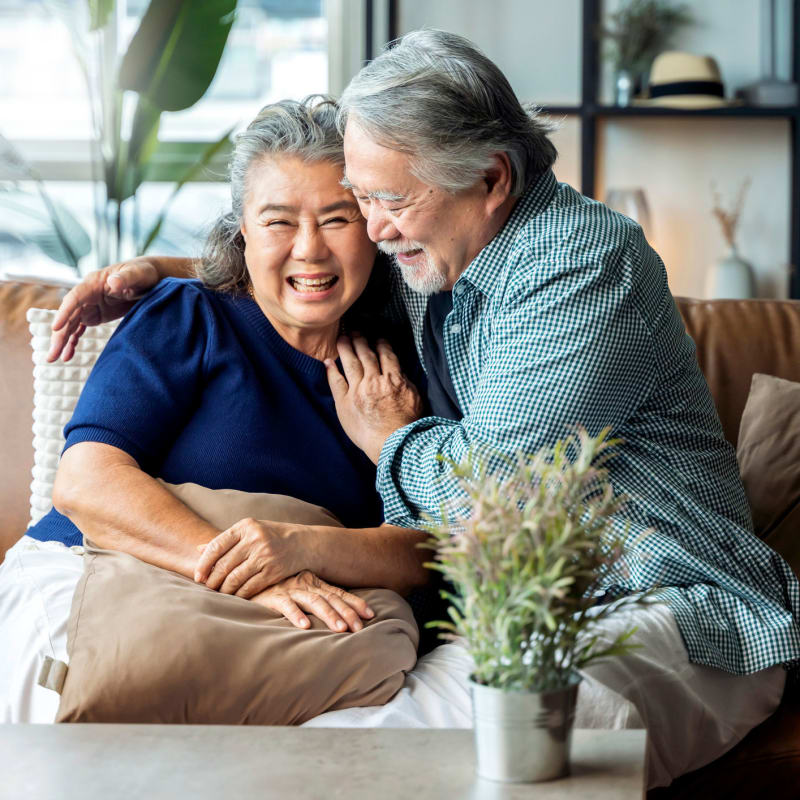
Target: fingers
[367, 357]
[389, 362]
[129, 282]
[252, 586]
[88, 291]
[339, 610]
[336, 380]
[320, 606]
[65, 341]
[346, 612]
[283, 604]
[358, 604]
[351, 364]
[213, 552]
[234, 578]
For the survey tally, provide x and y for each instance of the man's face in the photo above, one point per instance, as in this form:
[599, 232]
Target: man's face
[430, 232]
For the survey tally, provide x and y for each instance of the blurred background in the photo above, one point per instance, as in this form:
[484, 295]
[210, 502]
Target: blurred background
[106, 108]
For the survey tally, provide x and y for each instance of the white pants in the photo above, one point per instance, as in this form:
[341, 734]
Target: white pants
[693, 714]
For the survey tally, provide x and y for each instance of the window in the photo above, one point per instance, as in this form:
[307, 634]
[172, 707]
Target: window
[276, 49]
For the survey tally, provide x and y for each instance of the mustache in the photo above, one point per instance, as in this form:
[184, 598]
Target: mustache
[394, 246]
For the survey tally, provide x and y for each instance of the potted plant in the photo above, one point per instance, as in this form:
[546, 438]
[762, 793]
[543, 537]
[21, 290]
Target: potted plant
[636, 33]
[525, 557]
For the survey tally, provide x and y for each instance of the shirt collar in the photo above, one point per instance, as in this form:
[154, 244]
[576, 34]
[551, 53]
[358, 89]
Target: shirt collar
[482, 271]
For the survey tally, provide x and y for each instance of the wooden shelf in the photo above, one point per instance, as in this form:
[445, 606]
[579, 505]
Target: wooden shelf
[783, 112]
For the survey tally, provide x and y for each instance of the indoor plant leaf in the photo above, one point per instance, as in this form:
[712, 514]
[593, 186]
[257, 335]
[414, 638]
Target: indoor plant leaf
[99, 13]
[175, 52]
[134, 155]
[190, 174]
[28, 217]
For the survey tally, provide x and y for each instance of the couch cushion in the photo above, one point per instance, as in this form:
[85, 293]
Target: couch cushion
[736, 338]
[56, 389]
[769, 454]
[766, 763]
[16, 403]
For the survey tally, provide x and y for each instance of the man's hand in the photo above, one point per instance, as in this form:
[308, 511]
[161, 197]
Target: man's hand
[373, 398]
[102, 296]
[338, 609]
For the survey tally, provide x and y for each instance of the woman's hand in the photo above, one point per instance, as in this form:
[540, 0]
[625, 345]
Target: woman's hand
[373, 398]
[251, 556]
[101, 296]
[338, 609]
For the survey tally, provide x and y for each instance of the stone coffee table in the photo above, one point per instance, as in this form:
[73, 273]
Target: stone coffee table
[117, 762]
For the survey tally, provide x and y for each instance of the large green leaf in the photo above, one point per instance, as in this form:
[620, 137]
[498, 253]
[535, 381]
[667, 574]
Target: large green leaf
[99, 13]
[189, 175]
[28, 217]
[133, 156]
[175, 52]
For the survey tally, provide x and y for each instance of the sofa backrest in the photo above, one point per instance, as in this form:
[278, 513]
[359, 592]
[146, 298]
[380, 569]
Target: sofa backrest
[16, 404]
[734, 339]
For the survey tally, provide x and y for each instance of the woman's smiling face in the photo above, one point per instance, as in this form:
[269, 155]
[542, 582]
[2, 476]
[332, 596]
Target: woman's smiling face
[306, 248]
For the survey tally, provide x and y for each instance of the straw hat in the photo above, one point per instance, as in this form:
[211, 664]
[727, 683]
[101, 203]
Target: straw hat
[685, 80]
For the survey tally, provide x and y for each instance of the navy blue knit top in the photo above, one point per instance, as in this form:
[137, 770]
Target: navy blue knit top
[197, 386]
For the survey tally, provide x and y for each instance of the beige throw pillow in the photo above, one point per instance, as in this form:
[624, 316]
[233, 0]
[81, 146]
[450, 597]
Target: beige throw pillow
[768, 452]
[149, 645]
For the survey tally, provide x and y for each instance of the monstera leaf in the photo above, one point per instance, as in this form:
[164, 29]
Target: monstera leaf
[175, 52]
[170, 64]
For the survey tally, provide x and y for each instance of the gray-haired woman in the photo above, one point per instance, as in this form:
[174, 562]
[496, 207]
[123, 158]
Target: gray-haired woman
[222, 382]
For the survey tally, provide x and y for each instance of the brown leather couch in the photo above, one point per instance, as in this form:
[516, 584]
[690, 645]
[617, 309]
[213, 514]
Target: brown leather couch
[734, 339]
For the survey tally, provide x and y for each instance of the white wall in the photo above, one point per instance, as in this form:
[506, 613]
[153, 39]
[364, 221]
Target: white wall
[537, 44]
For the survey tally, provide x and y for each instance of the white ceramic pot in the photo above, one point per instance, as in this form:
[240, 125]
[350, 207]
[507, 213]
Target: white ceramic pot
[522, 737]
[731, 277]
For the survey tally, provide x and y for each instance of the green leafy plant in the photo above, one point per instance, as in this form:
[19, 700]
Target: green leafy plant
[640, 30]
[168, 66]
[526, 557]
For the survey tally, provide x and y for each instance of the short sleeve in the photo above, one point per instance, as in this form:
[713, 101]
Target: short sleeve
[148, 379]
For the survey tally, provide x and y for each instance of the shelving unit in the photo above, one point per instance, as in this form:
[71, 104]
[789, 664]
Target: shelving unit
[591, 111]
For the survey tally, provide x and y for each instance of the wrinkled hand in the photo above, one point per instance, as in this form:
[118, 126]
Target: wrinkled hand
[250, 556]
[373, 398]
[101, 296]
[338, 609]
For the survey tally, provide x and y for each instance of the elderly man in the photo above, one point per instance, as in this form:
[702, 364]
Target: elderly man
[533, 309]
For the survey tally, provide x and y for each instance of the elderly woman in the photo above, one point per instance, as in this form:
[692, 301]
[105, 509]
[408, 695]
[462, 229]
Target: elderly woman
[222, 382]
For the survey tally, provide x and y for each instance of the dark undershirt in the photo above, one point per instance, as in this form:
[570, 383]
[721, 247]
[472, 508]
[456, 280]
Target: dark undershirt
[441, 392]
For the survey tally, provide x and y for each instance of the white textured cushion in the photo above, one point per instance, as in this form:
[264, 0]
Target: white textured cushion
[56, 388]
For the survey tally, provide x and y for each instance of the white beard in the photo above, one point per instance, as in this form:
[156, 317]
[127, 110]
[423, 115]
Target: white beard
[424, 277]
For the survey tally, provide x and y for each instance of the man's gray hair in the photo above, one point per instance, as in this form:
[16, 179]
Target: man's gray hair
[435, 96]
[305, 129]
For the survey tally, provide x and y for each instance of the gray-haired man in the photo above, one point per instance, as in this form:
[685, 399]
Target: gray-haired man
[533, 309]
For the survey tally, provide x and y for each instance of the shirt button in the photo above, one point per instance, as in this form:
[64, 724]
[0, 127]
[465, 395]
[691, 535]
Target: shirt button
[455, 329]
[459, 289]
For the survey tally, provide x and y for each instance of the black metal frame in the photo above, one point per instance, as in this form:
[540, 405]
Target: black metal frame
[590, 111]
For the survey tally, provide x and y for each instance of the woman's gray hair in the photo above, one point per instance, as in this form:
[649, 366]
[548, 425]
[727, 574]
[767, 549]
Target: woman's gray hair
[306, 129]
[438, 98]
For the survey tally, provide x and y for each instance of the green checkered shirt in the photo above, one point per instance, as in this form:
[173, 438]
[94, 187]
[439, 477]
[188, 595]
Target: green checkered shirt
[565, 318]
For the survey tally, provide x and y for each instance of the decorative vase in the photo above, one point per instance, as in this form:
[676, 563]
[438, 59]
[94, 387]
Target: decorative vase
[731, 277]
[623, 88]
[523, 737]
